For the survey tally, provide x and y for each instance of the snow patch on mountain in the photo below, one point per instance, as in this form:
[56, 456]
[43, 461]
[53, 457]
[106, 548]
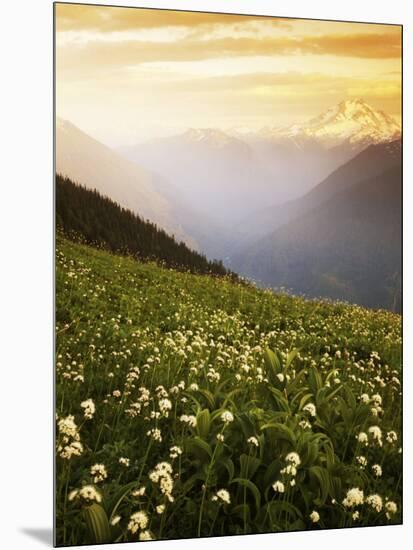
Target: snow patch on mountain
[352, 120]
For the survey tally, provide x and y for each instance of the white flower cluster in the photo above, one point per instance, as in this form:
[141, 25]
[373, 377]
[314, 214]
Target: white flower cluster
[69, 439]
[138, 492]
[188, 419]
[89, 408]
[362, 461]
[138, 520]
[227, 417]
[213, 375]
[222, 495]
[314, 516]
[391, 437]
[391, 508]
[278, 487]
[162, 474]
[354, 497]
[292, 463]
[311, 409]
[253, 441]
[155, 434]
[175, 451]
[375, 501]
[99, 473]
[87, 493]
[376, 435]
[145, 535]
[165, 406]
[377, 470]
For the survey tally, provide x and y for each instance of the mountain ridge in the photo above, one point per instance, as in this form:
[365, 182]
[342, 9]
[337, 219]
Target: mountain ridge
[347, 247]
[87, 161]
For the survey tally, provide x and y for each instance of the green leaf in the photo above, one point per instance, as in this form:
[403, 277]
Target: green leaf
[280, 399]
[275, 507]
[315, 381]
[249, 465]
[196, 443]
[290, 358]
[280, 431]
[229, 466]
[323, 478]
[272, 363]
[118, 497]
[304, 400]
[252, 487]
[208, 396]
[97, 523]
[203, 423]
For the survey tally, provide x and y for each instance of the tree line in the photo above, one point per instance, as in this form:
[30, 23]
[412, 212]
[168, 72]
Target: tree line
[86, 215]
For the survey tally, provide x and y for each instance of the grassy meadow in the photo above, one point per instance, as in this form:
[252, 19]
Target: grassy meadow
[191, 405]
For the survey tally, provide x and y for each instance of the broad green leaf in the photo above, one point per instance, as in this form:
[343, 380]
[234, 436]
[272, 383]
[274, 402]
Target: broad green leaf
[196, 443]
[203, 423]
[280, 431]
[249, 465]
[290, 358]
[252, 487]
[97, 523]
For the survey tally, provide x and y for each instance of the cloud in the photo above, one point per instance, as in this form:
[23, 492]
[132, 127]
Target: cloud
[97, 56]
[109, 18]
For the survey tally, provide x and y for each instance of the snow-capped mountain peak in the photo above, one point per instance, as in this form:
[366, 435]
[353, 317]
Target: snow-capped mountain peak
[352, 120]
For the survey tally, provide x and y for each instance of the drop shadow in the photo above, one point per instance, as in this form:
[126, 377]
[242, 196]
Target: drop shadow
[41, 534]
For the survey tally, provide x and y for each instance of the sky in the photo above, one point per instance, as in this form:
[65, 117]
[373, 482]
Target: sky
[127, 75]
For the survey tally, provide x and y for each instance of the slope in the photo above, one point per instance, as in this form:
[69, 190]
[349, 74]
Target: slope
[97, 220]
[348, 247]
[372, 161]
[89, 162]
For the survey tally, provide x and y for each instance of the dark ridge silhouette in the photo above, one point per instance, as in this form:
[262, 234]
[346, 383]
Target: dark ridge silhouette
[87, 216]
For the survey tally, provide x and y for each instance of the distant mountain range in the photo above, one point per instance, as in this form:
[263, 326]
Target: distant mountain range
[342, 239]
[372, 161]
[254, 199]
[250, 170]
[211, 169]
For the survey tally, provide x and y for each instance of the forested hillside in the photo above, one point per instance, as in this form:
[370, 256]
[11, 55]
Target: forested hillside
[99, 221]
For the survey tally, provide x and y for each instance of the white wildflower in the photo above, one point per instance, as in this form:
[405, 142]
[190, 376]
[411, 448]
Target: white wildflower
[115, 520]
[223, 495]
[145, 535]
[278, 487]
[138, 520]
[294, 458]
[175, 451]
[314, 516]
[311, 409]
[375, 501]
[99, 473]
[377, 470]
[354, 497]
[89, 407]
[391, 508]
[227, 417]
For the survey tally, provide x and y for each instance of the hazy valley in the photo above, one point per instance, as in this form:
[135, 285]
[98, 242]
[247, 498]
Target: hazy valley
[313, 207]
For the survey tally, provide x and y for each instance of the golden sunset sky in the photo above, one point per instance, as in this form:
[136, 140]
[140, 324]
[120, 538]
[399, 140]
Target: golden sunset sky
[125, 75]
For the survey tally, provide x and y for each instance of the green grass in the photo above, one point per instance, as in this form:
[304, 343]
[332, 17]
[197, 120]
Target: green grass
[148, 345]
